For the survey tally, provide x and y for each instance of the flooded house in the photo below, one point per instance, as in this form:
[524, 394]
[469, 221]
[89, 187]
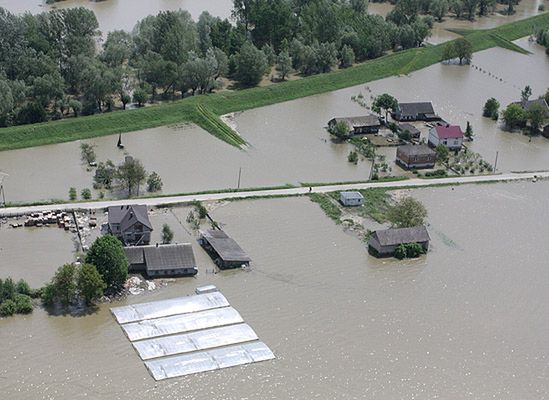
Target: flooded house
[167, 260]
[351, 199]
[129, 223]
[421, 111]
[449, 135]
[358, 125]
[527, 104]
[383, 243]
[415, 156]
[225, 252]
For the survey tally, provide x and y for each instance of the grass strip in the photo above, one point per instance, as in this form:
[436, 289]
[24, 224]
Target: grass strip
[205, 110]
[327, 205]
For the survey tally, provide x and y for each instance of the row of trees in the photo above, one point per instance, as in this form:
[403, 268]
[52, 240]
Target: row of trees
[104, 271]
[459, 8]
[50, 66]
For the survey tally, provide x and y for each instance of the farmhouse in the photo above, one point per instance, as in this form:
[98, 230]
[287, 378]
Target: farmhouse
[351, 199]
[415, 156]
[526, 105]
[162, 260]
[225, 252]
[449, 135]
[383, 243]
[358, 125]
[411, 129]
[130, 224]
[415, 112]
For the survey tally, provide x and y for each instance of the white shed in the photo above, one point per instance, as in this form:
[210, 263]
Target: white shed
[351, 198]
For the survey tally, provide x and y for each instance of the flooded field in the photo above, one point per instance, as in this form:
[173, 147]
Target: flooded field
[189, 159]
[467, 321]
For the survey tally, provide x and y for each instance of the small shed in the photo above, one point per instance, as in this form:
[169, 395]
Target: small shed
[351, 199]
[225, 252]
[168, 260]
[415, 156]
[411, 129]
[358, 125]
[383, 243]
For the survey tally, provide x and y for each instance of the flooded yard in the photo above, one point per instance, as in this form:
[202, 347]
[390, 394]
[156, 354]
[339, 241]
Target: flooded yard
[466, 321]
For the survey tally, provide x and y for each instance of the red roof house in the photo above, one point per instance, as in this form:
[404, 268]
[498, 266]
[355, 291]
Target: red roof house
[449, 135]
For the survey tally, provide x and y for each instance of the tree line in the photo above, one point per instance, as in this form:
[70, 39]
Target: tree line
[52, 67]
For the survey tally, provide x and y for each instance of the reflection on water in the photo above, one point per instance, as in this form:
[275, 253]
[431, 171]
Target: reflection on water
[467, 321]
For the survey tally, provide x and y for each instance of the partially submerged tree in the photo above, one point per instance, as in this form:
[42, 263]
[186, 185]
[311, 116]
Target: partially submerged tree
[386, 103]
[130, 175]
[107, 254]
[536, 114]
[87, 153]
[514, 116]
[90, 284]
[460, 48]
[406, 213]
[491, 109]
[340, 130]
[469, 131]
[154, 182]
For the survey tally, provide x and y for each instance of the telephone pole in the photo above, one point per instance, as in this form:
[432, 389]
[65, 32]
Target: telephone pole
[2, 191]
[239, 175]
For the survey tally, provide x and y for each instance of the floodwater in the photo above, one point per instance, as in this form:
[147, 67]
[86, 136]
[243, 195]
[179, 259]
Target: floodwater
[189, 159]
[124, 14]
[467, 321]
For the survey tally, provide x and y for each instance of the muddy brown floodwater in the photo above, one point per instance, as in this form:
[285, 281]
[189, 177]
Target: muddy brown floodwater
[467, 321]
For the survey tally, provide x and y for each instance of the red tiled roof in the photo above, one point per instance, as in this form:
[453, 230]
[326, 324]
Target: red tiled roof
[449, 132]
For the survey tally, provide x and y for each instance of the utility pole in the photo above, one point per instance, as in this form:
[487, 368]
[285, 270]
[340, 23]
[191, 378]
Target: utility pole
[496, 162]
[239, 175]
[2, 191]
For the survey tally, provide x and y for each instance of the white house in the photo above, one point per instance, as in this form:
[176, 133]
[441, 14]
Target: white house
[449, 135]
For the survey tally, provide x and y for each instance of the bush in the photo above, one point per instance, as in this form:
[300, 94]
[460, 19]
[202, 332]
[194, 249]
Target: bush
[154, 182]
[409, 250]
[439, 173]
[86, 194]
[201, 210]
[353, 157]
[72, 193]
[7, 308]
[23, 304]
[23, 287]
[167, 234]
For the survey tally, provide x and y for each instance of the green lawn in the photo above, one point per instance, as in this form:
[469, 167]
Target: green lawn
[205, 110]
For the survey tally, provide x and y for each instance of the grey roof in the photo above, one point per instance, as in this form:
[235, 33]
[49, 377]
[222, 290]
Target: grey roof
[416, 108]
[416, 150]
[396, 236]
[135, 255]
[167, 256]
[356, 122]
[529, 103]
[127, 215]
[226, 247]
[351, 195]
[409, 127]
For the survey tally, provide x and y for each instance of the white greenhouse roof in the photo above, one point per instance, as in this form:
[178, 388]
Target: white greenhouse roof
[202, 361]
[164, 308]
[194, 341]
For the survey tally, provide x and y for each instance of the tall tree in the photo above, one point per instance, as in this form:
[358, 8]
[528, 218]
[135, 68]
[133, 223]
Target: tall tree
[407, 213]
[107, 254]
[130, 175]
[384, 102]
[90, 284]
[251, 64]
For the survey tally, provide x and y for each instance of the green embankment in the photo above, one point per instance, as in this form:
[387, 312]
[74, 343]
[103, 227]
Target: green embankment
[205, 110]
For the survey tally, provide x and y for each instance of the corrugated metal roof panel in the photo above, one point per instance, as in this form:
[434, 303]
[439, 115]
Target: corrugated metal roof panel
[164, 308]
[225, 357]
[182, 323]
[189, 342]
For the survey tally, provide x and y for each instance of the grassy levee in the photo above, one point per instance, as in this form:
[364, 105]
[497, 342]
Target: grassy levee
[205, 110]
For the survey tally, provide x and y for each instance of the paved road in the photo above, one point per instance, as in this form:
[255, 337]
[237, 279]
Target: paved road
[160, 201]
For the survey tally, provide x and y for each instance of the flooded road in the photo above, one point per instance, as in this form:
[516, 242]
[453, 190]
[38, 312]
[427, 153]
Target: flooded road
[467, 321]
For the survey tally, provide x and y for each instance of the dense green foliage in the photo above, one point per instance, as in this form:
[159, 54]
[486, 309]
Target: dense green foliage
[491, 109]
[514, 116]
[167, 234]
[154, 182]
[406, 213]
[90, 283]
[107, 254]
[328, 206]
[15, 298]
[205, 111]
[409, 250]
[460, 48]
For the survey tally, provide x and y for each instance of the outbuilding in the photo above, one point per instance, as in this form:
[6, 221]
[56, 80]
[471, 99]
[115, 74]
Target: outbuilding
[383, 243]
[225, 252]
[415, 156]
[450, 136]
[358, 125]
[419, 111]
[167, 260]
[351, 199]
[410, 129]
